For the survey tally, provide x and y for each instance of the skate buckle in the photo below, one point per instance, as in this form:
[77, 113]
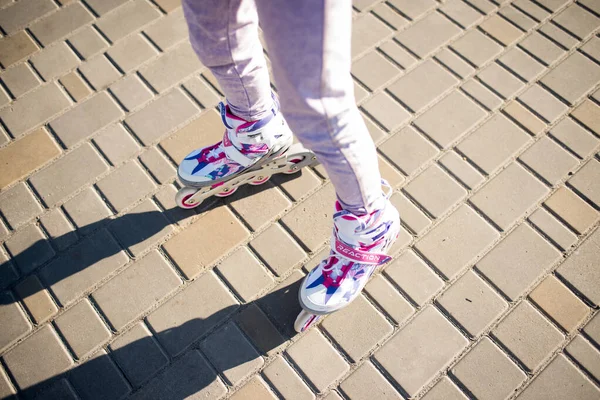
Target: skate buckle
[360, 256]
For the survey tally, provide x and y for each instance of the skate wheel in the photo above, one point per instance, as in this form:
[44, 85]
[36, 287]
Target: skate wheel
[226, 192]
[305, 320]
[295, 160]
[260, 180]
[183, 198]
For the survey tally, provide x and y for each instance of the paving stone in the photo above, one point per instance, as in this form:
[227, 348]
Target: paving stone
[87, 211]
[386, 111]
[413, 10]
[99, 72]
[16, 48]
[165, 197]
[542, 48]
[572, 210]
[37, 300]
[127, 19]
[179, 322]
[25, 365]
[518, 18]
[99, 378]
[244, 273]
[259, 205]
[435, 191]
[168, 5]
[367, 382]
[408, 150]
[83, 329]
[88, 42]
[389, 15]
[577, 20]
[204, 242]
[25, 155]
[61, 23]
[311, 222]
[18, 205]
[591, 5]
[286, 381]
[550, 226]
[488, 373]
[171, 67]
[502, 30]
[125, 185]
[131, 293]
[575, 137]
[456, 241]
[34, 109]
[559, 35]
[101, 7]
[580, 269]
[472, 303]
[366, 32]
[116, 144]
[521, 64]
[476, 47]
[388, 299]
[281, 303]
[484, 6]
[586, 181]
[586, 355]
[414, 277]
[444, 390]
[500, 80]
[20, 79]
[373, 70]
[317, 359]
[203, 131]
[573, 77]
[393, 177]
[528, 335]
[449, 119]
[57, 390]
[131, 52]
[549, 160]
[8, 274]
[525, 118]
[256, 388]
[532, 9]
[412, 216]
[14, 322]
[137, 353]
[169, 30]
[203, 94]
[517, 261]
[426, 35]
[454, 62]
[74, 84]
[60, 231]
[54, 61]
[484, 96]
[6, 388]
[589, 115]
[461, 12]
[400, 56]
[161, 116]
[559, 303]
[357, 328]
[461, 169]
[332, 396]
[278, 250]
[298, 186]
[190, 375]
[558, 380]
[86, 264]
[29, 248]
[553, 5]
[260, 330]
[22, 13]
[231, 353]
[509, 196]
[592, 48]
[131, 92]
[158, 166]
[429, 340]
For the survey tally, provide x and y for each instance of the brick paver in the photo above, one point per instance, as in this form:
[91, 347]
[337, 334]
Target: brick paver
[487, 120]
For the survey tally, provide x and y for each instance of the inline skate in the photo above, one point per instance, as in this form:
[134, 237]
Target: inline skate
[358, 246]
[250, 152]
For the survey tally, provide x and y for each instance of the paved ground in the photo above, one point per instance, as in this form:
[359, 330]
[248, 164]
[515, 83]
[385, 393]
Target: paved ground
[487, 121]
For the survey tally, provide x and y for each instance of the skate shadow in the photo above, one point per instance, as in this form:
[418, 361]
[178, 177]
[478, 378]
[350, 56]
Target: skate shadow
[194, 359]
[103, 240]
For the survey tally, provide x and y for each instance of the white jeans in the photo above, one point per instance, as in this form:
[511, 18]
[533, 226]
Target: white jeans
[309, 47]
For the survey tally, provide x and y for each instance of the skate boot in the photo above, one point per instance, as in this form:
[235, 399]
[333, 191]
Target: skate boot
[250, 152]
[358, 247]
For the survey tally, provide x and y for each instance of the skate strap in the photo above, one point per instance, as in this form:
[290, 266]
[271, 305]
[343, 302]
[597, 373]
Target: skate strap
[233, 153]
[361, 256]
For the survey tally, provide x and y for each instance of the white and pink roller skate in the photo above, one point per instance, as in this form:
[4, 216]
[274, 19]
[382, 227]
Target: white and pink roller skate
[358, 246]
[250, 152]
